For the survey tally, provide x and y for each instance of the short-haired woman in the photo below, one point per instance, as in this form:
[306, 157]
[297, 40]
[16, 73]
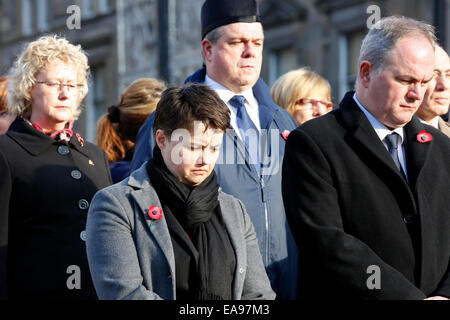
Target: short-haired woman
[168, 231]
[117, 129]
[48, 176]
[303, 93]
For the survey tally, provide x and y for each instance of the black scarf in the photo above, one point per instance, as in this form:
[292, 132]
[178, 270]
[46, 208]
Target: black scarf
[204, 257]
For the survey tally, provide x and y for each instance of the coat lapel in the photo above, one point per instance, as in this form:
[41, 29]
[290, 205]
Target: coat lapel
[362, 131]
[145, 196]
[368, 144]
[236, 241]
[416, 152]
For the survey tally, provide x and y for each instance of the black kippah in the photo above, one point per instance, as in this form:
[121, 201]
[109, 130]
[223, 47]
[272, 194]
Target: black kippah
[114, 114]
[216, 13]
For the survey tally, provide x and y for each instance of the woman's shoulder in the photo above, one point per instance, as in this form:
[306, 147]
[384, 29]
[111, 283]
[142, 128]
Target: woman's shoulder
[230, 202]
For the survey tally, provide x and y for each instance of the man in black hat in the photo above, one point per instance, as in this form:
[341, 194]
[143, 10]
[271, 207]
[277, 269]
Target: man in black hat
[232, 47]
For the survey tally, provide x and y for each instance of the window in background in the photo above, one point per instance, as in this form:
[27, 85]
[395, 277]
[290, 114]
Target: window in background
[28, 8]
[88, 9]
[105, 6]
[349, 47]
[57, 11]
[280, 62]
[42, 15]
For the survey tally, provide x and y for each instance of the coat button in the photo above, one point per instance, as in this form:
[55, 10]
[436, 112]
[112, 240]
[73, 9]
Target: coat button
[408, 219]
[63, 150]
[76, 174]
[83, 204]
[83, 236]
[241, 270]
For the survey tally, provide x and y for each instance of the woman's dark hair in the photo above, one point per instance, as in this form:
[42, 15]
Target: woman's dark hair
[179, 107]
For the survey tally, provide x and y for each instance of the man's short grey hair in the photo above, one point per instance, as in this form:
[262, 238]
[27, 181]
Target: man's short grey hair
[383, 36]
[214, 35]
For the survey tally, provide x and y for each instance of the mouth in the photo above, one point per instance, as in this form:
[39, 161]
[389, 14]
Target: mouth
[62, 107]
[408, 107]
[199, 171]
[441, 100]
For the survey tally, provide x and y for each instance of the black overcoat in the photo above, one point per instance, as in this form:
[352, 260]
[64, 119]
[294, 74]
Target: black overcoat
[354, 217]
[45, 190]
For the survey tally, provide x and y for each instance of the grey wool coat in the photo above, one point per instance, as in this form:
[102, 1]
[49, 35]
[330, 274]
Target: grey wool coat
[131, 257]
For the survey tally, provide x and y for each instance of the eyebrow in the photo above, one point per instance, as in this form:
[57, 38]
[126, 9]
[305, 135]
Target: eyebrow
[193, 144]
[245, 38]
[412, 78]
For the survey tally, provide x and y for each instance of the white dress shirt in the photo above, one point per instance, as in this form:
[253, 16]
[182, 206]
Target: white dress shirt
[434, 123]
[382, 131]
[251, 104]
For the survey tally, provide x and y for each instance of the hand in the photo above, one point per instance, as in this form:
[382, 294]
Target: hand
[437, 298]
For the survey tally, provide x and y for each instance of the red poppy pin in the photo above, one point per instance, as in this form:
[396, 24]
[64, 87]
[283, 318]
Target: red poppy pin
[424, 137]
[285, 134]
[80, 139]
[155, 213]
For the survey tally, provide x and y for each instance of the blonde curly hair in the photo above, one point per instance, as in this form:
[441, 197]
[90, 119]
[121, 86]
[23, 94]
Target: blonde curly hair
[33, 59]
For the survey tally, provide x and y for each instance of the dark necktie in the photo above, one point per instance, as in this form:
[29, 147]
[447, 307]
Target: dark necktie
[247, 129]
[392, 143]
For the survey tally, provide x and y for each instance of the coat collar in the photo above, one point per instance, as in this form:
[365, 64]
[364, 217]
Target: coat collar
[267, 108]
[444, 126]
[360, 128]
[34, 141]
[145, 196]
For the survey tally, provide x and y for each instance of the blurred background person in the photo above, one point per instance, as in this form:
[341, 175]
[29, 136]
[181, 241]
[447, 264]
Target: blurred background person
[5, 118]
[303, 93]
[437, 98]
[48, 176]
[117, 129]
[168, 231]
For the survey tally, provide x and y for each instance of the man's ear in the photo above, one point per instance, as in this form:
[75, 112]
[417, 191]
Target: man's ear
[365, 72]
[161, 139]
[206, 49]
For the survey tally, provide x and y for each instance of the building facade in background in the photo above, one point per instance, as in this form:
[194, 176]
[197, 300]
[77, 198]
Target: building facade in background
[130, 39]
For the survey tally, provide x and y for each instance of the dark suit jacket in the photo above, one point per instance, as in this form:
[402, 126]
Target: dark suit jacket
[44, 200]
[349, 208]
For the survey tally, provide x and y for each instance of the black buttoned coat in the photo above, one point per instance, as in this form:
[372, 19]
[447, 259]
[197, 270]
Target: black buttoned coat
[363, 232]
[45, 191]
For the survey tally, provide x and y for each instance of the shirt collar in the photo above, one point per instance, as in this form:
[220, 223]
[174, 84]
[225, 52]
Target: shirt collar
[226, 94]
[434, 122]
[381, 130]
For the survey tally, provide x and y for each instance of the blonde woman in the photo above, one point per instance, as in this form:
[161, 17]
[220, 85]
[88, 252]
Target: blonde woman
[117, 129]
[49, 175]
[303, 93]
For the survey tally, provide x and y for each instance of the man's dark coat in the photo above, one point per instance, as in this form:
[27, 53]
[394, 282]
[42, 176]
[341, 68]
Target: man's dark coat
[353, 214]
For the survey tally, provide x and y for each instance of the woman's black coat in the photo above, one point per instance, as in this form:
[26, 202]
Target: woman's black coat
[45, 190]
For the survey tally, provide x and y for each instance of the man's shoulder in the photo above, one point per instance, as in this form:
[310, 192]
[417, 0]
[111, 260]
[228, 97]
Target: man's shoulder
[326, 124]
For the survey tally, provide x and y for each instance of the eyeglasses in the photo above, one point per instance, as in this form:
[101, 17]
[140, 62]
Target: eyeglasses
[71, 87]
[309, 103]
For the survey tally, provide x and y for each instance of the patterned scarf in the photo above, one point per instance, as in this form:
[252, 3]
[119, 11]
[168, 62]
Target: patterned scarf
[59, 135]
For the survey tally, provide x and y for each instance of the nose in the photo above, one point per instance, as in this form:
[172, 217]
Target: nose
[205, 158]
[415, 92]
[442, 83]
[63, 92]
[249, 50]
[319, 110]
